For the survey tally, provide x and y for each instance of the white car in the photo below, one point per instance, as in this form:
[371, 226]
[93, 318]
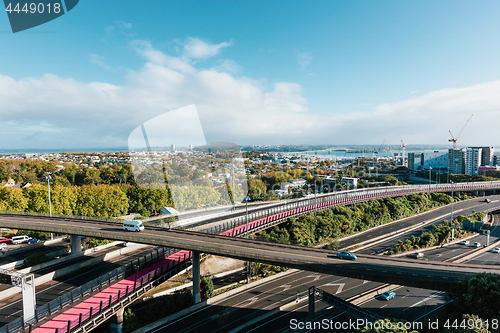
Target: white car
[477, 244]
[20, 239]
[496, 250]
[3, 246]
[465, 242]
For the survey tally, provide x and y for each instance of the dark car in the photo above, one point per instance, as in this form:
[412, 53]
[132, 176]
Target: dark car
[346, 255]
[33, 240]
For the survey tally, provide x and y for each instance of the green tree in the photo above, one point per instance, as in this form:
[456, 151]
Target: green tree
[206, 288]
[12, 199]
[129, 321]
[36, 258]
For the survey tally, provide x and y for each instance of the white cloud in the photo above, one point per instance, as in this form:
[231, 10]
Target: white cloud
[52, 111]
[99, 61]
[196, 48]
[227, 65]
[304, 59]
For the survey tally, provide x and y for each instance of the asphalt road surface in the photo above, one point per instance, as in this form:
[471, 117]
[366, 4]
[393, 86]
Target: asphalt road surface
[477, 204]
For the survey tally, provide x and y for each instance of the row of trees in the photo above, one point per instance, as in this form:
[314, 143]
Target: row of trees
[340, 221]
[108, 200]
[438, 235]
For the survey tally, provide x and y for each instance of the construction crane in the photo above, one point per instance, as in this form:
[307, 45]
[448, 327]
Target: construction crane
[375, 159]
[379, 148]
[403, 144]
[453, 139]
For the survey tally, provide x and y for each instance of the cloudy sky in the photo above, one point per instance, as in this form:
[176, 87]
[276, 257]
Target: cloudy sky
[260, 72]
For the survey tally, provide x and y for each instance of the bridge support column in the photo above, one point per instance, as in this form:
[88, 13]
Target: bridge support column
[196, 277]
[116, 322]
[76, 244]
[311, 303]
[481, 193]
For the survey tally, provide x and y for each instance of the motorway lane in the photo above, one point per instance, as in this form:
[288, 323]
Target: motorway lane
[448, 252]
[488, 258]
[29, 249]
[11, 307]
[236, 310]
[430, 215]
[298, 257]
[79, 259]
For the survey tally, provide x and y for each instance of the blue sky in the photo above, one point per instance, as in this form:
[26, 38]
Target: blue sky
[281, 72]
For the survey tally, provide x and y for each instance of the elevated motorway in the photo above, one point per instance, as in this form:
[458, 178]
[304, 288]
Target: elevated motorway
[428, 274]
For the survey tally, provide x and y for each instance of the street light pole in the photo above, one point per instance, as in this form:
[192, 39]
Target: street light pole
[425, 308]
[430, 174]
[451, 218]
[48, 177]
[248, 262]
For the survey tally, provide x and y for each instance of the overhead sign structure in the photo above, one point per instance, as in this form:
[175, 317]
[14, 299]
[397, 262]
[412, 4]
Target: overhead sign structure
[27, 284]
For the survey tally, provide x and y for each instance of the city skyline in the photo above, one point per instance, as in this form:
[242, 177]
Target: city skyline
[326, 73]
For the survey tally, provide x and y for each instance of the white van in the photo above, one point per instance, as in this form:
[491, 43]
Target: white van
[20, 239]
[133, 225]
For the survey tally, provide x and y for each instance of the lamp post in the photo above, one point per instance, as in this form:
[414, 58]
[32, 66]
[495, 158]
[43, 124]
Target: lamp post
[246, 199]
[430, 174]
[425, 308]
[451, 218]
[48, 177]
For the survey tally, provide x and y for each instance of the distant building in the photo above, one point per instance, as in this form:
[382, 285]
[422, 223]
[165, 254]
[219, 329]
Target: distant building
[437, 160]
[483, 169]
[173, 147]
[496, 160]
[456, 160]
[299, 182]
[472, 161]
[350, 182]
[190, 147]
[10, 183]
[486, 155]
[412, 158]
[293, 183]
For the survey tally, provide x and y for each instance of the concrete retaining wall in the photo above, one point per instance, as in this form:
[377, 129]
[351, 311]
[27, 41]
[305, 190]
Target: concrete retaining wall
[75, 267]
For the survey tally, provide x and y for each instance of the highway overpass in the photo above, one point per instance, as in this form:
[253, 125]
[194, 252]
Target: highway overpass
[433, 275]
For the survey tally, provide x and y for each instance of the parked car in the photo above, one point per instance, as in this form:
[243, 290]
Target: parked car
[496, 250]
[487, 200]
[3, 246]
[477, 244]
[465, 242]
[125, 244]
[33, 240]
[20, 239]
[418, 255]
[388, 295]
[346, 255]
[5, 240]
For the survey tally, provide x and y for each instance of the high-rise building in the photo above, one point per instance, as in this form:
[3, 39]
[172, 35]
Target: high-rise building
[473, 160]
[456, 160]
[437, 160]
[411, 161]
[173, 147]
[486, 155]
[190, 147]
[495, 160]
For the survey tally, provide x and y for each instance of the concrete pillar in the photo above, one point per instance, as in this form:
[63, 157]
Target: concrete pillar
[196, 277]
[76, 244]
[311, 303]
[481, 193]
[116, 322]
